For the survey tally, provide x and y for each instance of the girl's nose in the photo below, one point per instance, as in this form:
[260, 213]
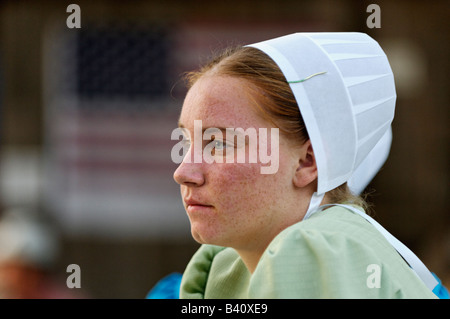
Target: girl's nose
[189, 173]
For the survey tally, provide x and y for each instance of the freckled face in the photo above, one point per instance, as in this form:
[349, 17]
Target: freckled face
[232, 204]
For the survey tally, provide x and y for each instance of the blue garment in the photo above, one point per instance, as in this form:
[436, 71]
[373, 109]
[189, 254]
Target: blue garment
[167, 288]
[440, 289]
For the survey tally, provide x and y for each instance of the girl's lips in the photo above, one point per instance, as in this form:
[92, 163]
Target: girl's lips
[193, 202]
[198, 208]
[194, 205]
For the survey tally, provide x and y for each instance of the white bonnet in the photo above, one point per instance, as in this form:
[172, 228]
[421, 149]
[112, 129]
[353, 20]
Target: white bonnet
[345, 90]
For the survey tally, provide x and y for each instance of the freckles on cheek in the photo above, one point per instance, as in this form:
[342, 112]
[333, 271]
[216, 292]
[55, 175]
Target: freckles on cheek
[240, 189]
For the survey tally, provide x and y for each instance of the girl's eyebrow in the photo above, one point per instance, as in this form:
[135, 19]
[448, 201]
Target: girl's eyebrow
[223, 129]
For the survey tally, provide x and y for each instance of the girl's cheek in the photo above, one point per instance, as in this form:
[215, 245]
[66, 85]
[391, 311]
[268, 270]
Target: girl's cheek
[238, 184]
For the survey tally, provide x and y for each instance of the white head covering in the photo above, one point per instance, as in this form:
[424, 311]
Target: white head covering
[345, 91]
[370, 166]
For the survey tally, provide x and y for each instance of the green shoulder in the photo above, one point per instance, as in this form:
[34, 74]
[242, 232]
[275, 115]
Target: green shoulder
[335, 254]
[215, 273]
[195, 276]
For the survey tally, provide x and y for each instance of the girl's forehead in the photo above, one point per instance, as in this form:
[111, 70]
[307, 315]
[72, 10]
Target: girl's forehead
[220, 102]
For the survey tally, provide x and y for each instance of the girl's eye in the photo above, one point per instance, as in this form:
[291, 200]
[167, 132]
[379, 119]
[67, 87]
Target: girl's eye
[219, 145]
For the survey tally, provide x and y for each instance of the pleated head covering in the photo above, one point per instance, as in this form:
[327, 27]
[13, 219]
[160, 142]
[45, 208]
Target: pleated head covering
[345, 90]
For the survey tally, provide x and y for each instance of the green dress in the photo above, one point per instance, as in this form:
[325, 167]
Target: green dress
[333, 254]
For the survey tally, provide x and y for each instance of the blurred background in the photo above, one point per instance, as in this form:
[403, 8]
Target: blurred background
[86, 116]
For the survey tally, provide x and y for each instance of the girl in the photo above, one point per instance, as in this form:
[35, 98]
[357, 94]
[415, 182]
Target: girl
[300, 232]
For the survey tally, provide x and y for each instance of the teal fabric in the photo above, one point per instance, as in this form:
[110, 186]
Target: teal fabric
[166, 288]
[440, 291]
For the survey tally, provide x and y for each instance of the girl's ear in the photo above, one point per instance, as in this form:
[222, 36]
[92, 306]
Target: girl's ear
[306, 171]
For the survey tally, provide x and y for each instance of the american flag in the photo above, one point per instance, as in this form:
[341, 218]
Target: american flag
[109, 121]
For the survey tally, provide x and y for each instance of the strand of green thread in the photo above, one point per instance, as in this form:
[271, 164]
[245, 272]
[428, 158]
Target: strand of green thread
[308, 77]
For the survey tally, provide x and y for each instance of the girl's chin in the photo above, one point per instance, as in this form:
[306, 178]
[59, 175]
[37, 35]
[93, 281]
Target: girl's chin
[206, 236]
